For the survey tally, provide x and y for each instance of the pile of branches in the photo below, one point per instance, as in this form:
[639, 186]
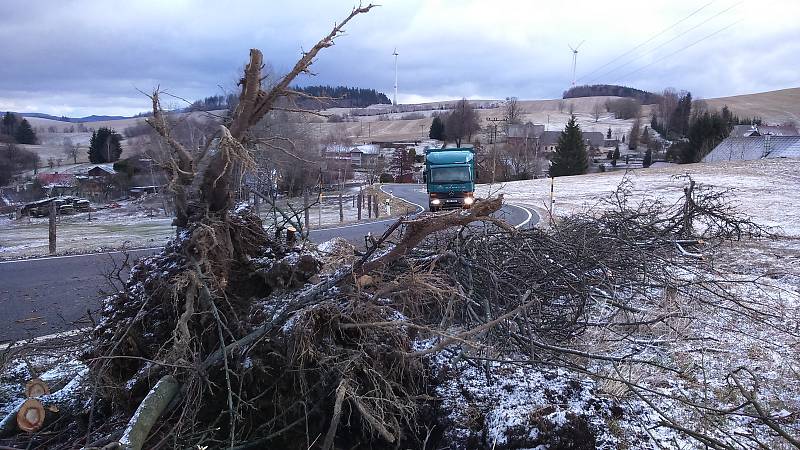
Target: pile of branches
[282, 354]
[231, 338]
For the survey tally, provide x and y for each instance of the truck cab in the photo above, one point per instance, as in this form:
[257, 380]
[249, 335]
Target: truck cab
[450, 178]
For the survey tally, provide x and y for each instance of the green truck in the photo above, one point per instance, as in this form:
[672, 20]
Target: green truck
[450, 177]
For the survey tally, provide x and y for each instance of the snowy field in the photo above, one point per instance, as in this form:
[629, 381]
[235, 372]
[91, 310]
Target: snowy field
[716, 343]
[768, 189]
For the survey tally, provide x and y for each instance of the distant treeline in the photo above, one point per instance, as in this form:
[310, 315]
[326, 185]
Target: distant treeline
[597, 90]
[340, 97]
[329, 97]
[213, 103]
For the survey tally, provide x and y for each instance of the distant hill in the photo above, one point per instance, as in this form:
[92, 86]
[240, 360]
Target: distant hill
[340, 97]
[611, 90]
[772, 107]
[91, 118]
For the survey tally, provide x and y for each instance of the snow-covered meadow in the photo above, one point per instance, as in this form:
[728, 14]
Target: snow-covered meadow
[767, 189]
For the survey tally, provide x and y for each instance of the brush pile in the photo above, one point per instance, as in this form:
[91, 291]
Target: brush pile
[476, 336]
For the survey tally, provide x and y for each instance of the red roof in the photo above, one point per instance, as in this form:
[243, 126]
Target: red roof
[56, 179]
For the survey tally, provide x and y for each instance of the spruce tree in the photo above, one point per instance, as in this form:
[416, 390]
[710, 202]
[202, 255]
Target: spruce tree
[437, 129]
[633, 139]
[9, 125]
[24, 133]
[570, 157]
[104, 146]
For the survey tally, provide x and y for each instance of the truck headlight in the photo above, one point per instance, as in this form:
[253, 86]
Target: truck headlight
[469, 200]
[435, 201]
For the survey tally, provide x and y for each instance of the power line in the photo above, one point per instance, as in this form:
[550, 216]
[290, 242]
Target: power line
[683, 48]
[647, 41]
[652, 50]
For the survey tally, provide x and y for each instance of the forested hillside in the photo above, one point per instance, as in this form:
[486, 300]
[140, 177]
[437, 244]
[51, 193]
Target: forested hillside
[597, 90]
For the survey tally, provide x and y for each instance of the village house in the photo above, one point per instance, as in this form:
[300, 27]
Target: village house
[96, 181]
[56, 184]
[764, 130]
[365, 156]
[524, 134]
[755, 147]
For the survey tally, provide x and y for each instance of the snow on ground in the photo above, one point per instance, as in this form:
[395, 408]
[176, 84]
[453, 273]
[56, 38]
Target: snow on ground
[767, 190]
[142, 223]
[711, 341]
[511, 406]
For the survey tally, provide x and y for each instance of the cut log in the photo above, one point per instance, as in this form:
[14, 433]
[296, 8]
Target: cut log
[148, 412]
[36, 388]
[31, 415]
[66, 399]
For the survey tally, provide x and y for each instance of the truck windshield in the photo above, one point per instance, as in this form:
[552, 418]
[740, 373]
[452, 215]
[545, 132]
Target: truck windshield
[450, 175]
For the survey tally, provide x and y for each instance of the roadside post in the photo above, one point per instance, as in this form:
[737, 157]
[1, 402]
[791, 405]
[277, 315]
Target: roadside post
[552, 201]
[359, 199]
[52, 228]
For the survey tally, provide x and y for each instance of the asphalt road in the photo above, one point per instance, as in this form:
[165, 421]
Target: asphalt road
[49, 295]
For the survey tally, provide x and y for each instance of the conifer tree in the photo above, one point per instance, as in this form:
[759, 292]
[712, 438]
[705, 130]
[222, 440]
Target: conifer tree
[570, 157]
[633, 139]
[9, 124]
[437, 129]
[24, 133]
[104, 146]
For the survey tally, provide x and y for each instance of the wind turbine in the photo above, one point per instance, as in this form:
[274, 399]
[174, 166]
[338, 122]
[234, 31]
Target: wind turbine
[575, 59]
[395, 75]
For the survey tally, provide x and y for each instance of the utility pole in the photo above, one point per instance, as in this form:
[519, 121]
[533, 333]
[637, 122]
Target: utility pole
[493, 128]
[158, 191]
[395, 76]
[319, 200]
[305, 210]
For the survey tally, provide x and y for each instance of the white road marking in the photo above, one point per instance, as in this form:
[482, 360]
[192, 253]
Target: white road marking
[62, 334]
[352, 225]
[79, 255]
[421, 208]
[524, 222]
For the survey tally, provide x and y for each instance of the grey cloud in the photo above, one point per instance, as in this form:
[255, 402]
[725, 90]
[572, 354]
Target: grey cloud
[83, 57]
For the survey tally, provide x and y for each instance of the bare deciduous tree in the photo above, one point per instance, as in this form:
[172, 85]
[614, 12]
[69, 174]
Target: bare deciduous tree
[70, 150]
[462, 122]
[513, 112]
[597, 110]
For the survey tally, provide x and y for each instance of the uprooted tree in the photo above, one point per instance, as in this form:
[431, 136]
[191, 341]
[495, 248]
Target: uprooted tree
[231, 338]
[196, 346]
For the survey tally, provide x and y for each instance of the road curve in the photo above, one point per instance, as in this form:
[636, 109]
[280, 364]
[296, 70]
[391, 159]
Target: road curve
[48, 295]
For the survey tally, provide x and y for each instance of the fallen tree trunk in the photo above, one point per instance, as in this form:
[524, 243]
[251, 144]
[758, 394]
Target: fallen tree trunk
[418, 229]
[148, 412]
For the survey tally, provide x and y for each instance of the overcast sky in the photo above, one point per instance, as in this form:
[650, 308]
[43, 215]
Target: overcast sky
[80, 57]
